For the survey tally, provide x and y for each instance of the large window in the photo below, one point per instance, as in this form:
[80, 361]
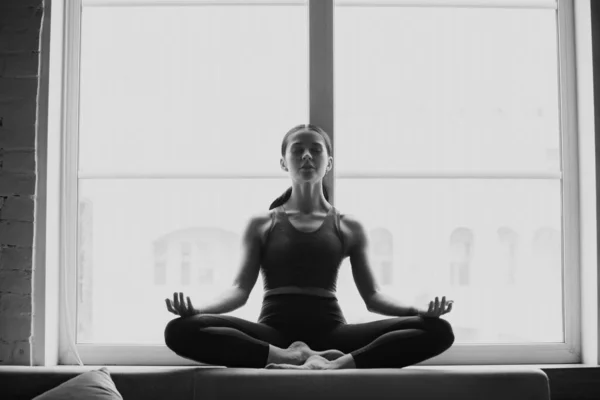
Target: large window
[445, 117]
[170, 93]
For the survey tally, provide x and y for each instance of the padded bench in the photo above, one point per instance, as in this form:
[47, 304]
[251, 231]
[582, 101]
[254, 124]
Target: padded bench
[208, 383]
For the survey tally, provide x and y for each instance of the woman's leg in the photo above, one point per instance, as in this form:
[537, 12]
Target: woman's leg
[222, 340]
[393, 342]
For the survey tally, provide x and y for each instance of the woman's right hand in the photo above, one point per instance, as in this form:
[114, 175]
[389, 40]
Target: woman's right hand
[437, 309]
[179, 307]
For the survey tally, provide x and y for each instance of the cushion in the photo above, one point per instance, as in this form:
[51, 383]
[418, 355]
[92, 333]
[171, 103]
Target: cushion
[91, 385]
[18, 382]
[410, 383]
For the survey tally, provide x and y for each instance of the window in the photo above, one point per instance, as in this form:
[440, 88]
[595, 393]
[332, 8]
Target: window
[186, 267]
[461, 245]
[382, 257]
[455, 136]
[85, 263]
[508, 246]
[160, 262]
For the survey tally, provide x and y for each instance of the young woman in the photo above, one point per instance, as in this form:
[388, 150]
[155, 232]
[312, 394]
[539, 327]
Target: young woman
[299, 245]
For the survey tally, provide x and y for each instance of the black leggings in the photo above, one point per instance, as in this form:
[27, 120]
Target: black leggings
[318, 321]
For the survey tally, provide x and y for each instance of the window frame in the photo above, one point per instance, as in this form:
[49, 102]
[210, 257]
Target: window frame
[321, 97]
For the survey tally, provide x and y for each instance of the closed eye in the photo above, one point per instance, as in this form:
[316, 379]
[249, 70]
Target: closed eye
[299, 150]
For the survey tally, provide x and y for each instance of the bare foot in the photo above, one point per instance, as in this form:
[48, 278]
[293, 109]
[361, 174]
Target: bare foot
[315, 362]
[308, 352]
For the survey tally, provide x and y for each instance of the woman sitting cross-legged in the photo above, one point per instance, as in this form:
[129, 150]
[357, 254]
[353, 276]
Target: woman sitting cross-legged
[299, 246]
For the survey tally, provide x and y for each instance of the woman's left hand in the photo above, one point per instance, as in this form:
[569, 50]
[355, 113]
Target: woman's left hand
[436, 309]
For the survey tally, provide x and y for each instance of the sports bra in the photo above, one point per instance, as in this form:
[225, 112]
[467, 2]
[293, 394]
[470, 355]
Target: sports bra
[302, 262]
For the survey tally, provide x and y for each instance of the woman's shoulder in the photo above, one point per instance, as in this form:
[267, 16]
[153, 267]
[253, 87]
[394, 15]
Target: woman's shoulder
[265, 216]
[350, 220]
[262, 217]
[262, 220]
[349, 223]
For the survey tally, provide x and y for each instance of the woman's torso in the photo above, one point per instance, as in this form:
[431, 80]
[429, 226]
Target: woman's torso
[306, 224]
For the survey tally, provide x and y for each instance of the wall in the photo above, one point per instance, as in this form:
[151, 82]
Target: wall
[20, 25]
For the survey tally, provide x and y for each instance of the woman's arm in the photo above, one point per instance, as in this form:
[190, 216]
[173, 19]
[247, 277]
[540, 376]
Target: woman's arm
[384, 304]
[229, 300]
[245, 279]
[374, 299]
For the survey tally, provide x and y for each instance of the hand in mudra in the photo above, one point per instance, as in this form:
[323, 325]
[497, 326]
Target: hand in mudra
[436, 309]
[180, 307]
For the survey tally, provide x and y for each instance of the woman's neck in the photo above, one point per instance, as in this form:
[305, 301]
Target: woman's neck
[306, 209]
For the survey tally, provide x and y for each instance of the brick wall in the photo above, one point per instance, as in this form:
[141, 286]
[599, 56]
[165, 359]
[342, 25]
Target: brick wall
[20, 26]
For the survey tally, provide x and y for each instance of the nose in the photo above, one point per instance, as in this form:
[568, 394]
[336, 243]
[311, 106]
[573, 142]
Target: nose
[306, 152]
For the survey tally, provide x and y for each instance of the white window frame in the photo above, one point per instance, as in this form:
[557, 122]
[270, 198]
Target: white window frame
[58, 142]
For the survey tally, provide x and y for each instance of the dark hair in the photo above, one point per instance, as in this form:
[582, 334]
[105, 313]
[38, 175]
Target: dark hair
[314, 128]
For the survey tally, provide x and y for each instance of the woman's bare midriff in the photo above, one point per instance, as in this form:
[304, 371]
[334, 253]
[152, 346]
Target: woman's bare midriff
[311, 291]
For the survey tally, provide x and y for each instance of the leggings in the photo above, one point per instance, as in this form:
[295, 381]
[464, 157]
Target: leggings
[318, 321]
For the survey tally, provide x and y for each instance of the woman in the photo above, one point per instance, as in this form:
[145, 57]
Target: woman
[299, 246]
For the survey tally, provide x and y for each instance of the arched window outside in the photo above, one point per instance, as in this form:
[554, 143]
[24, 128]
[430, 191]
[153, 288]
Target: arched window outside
[461, 250]
[205, 258]
[186, 263]
[382, 254]
[508, 240]
[546, 283]
[161, 247]
[197, 256]
[547, 249]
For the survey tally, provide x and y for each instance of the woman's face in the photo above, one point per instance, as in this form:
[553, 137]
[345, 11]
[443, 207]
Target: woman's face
[306, 155]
